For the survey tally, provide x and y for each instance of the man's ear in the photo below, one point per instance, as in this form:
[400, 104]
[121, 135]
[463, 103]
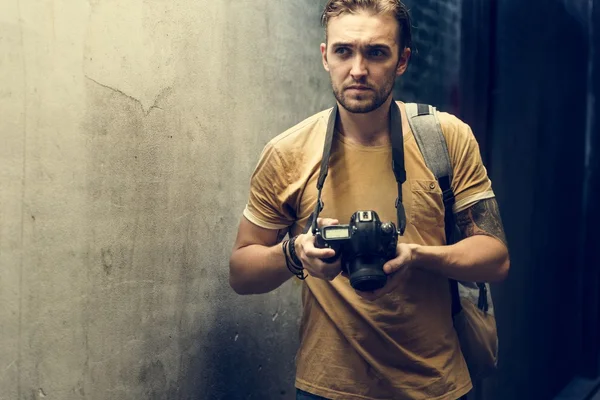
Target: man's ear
[403, 61]
[324, 56]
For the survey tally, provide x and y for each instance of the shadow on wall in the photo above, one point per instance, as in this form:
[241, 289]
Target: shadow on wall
[159, 322]
[249, 351]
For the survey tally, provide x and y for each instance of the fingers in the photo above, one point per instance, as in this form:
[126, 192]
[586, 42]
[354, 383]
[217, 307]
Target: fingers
[321, 222]
[404, 256]
[310, 251]
[312, 259]
[394, 265]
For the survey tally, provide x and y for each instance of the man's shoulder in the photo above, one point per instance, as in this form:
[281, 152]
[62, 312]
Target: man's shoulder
[448, 120]
[450, 124]
[454, 128]
[303, 133]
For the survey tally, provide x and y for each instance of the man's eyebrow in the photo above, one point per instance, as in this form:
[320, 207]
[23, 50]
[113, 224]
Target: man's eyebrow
[342, 44]
[375, 46]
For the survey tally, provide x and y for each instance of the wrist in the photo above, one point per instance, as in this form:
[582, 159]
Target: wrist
[416, 254]
[295, 248]
[429, 258]
[292, 262]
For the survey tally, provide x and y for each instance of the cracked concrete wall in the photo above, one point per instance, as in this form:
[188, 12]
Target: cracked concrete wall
[129, 131]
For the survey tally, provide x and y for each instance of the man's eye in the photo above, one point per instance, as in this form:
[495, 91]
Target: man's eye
[376, 53]
[341, 51]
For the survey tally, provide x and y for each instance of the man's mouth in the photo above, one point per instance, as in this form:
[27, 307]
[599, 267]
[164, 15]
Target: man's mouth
[358, 87]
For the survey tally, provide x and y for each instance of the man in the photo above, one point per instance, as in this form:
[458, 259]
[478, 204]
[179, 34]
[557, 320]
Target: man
[397, 342]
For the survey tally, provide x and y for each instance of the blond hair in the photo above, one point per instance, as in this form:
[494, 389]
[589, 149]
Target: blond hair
[334, 8]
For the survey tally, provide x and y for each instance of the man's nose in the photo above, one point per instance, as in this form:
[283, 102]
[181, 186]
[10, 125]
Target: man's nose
[359, 67]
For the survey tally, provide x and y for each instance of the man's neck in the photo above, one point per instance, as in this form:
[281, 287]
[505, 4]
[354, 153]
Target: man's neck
[368, 129]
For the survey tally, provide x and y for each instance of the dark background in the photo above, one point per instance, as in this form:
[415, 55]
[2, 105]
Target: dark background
[524, 75]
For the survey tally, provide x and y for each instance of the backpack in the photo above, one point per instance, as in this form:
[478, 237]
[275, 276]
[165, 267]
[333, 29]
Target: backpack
[472, 307]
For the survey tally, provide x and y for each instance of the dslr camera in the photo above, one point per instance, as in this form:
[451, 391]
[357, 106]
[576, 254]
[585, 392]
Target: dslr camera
[364, 245]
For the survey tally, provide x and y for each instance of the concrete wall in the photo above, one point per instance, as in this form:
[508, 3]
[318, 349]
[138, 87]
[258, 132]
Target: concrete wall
[128, 134]
[434, 70]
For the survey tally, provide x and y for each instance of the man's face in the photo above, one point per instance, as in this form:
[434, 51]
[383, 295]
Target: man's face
[363, 59]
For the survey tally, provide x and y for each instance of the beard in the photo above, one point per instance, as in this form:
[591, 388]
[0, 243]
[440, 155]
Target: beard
[365, 102]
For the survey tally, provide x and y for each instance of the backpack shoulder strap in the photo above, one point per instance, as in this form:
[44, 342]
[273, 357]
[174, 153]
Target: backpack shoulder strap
[428, 134]
[427, 131]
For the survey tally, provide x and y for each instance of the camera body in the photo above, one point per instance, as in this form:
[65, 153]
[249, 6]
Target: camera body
[364, 245]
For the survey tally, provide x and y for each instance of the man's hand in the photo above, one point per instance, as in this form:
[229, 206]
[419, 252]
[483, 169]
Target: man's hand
[404, 259]
[312, 257]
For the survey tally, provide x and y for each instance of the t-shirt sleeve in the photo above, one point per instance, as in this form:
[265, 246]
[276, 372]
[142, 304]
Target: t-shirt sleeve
[470, 182]
[268, 202]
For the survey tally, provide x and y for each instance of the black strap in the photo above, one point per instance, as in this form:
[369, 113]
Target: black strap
[398, 162]
[324, 169]
[327, 148]
[397, 165]
[456, 305]
[448, 198]
[444, 182]
[422, 109]
[442, 173]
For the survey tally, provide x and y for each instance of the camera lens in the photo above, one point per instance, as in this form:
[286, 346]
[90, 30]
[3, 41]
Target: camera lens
[367, 275]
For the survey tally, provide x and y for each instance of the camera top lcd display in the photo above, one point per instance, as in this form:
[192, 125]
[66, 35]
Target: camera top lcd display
[335, 232]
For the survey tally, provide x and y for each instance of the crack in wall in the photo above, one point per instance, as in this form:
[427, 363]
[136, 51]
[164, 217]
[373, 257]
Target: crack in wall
[160, 94]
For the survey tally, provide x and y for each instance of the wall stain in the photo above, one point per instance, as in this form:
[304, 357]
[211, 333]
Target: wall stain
[107, 260]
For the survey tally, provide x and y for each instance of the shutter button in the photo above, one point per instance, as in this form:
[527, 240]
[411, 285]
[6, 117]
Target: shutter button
[432, 186]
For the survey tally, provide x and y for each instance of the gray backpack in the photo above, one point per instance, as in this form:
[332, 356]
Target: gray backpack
[472, 307]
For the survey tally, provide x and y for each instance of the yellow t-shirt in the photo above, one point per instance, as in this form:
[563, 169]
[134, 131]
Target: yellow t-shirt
[402, 345]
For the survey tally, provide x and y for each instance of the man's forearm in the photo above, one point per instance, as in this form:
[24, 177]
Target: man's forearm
[475, 259]
[257, 269]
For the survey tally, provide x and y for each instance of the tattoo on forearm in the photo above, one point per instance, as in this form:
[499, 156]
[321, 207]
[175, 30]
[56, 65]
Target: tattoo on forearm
[482, 218]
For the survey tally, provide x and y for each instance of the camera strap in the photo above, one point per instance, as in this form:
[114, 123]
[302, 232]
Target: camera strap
[397, 140]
